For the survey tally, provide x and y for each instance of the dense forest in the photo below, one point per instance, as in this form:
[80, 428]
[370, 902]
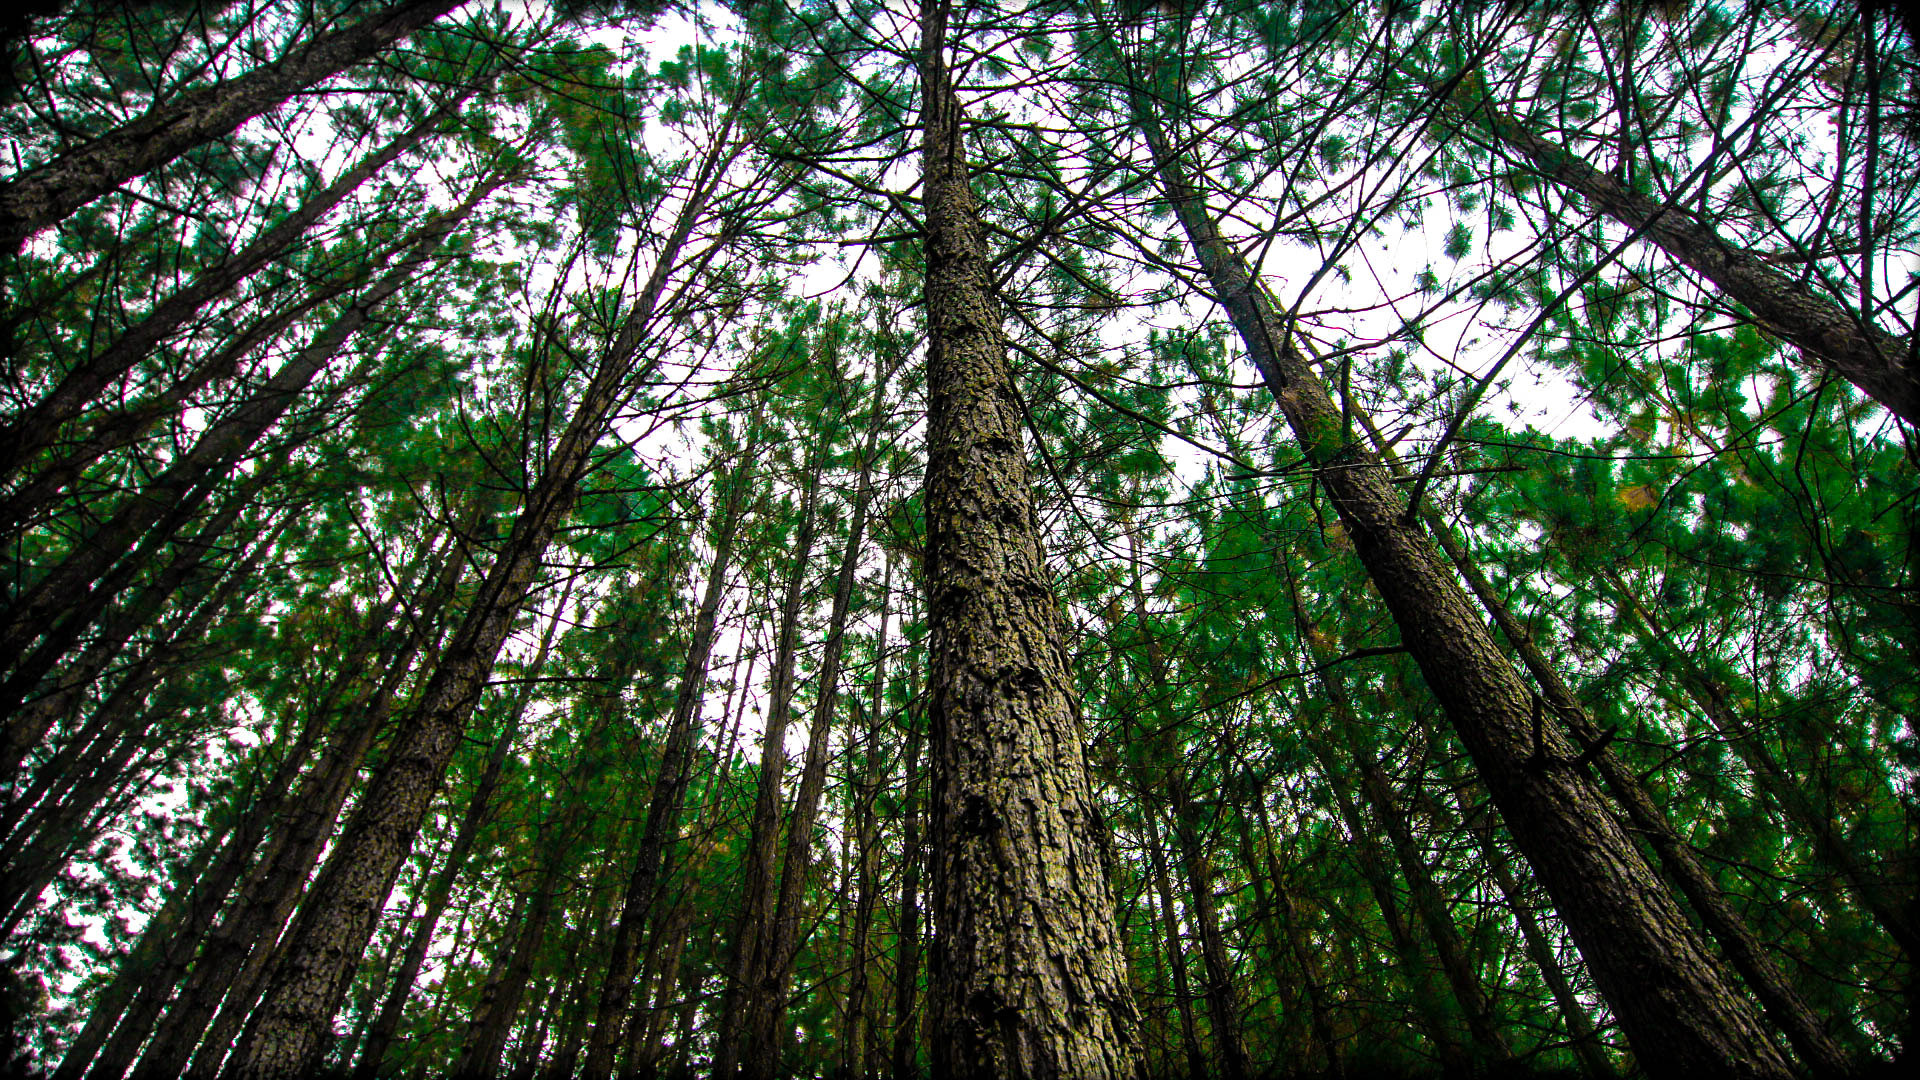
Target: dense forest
[1074, 539]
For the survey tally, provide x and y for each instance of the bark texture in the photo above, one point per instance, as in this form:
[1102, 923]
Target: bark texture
[1029, 980]
[1680, 1014]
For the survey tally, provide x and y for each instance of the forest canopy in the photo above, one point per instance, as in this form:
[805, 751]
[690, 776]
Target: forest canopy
[1074, 539]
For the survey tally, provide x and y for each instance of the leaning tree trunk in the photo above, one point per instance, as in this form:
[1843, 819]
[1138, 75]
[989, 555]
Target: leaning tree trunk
[82, 386]
[1782, 1004]
[1680, 1013]
[81, 586]
[1030, 980]
[47, 193]
[669, 795]
[380, 1032]
[338, 916]
[1877, 363]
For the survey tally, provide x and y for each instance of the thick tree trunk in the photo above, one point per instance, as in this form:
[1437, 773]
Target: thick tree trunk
[1681, 1015]
[1031, 980]
[82, 386]
[47, 193]
[1778, 998]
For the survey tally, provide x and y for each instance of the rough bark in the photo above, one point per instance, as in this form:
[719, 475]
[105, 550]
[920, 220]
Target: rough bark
[1030, 979]
[1678, 1011]
[1781, 1003]
[47, 193]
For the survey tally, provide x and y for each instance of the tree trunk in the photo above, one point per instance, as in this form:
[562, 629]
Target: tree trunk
[751, 935]
[901, 1061]
[768, 999]
[1877, 363]
[226, 976]
[79, 588]
[1680, 1014]
[1176, 954]
[82, 386]
[653, 855]
[380, 1033]
[47, 193]
[168, 936]
[1289, 939]
[1778, 998]
[283, 1040]
[1581, 1035]
[861, 1032]
[1030, 980]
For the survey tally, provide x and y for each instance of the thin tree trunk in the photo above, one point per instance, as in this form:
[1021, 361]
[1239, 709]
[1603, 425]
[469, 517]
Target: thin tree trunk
[1580, 1031]
[226, 977]
[861, 1031]
[38, 425]
[47, 193]
[768, 998]
[901, 1060]
[76, 591]
[757, 890]
[1176, 954]
[1030, 979]
[1677, 1009]
[380, 1034]
[1288, 941]
[283, 1039]
[1223, 1006]
[653, 855]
